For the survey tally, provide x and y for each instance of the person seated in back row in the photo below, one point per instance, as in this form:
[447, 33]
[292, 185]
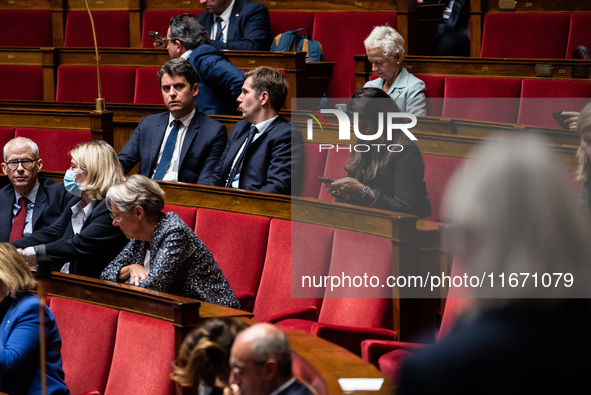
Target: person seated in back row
[163, 253]
[263, 152]
[179, 145]
[219, 80]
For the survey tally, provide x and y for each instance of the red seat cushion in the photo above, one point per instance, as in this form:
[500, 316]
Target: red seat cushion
[497, 99]
[21, 82]
[147, 89]
[157, 21]
[525, 35]
[111, 27]
[187, 214]
[282, 21]
[434, 90]
[88, 338]
[25, 28]
[315, 161]
[341, 35]
[55, 144]
[117, 84]
[578, 33]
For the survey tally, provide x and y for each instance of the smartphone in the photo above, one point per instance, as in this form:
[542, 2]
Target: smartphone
[156, 37]
[561, 119]
[325, 180]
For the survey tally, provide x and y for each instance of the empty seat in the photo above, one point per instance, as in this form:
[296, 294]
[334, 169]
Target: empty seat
[438, 172]
[25, 28]
[238, 243]
[434, 90]
[54, 145]
[147, 90]
[88, 337]
[79, 84]
[341, 35]
[482, 99]
[6, 134]
[525, 35]
[578, 33]
[282, 21]
[21, 82]
[336, 160]
[111, 27]
[542, 97]
[315, 161]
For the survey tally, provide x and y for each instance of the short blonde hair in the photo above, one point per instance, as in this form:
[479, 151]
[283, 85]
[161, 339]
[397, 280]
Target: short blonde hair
[583, 161]
[14, 272]
[100, 163]
[137, 190]
[387, 39]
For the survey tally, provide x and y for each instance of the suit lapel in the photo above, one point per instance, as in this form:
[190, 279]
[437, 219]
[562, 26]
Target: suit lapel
[192, 133]
[6, 213]
[40, 203]
[233, 22]
[158, 137]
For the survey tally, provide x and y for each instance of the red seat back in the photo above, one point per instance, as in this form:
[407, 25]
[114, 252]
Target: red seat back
[282, 21]
[147, 90]
[6, 134]
[315, 161]
[578, 33]
[434, 90]
[111, 27]
[187, 214]
[21, 82]
[79, 84]
[525, 35]
[497, 99]
[438, 172]
[336, 160]
[25, 28]
[55, 144]
[88, 338]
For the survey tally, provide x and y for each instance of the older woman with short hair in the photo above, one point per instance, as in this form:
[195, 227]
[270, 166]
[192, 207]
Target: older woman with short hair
[83, 240]
[385, 51]
[20, 369]
[163, 253]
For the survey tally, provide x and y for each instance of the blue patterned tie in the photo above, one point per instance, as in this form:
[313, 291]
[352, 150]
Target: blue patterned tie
[218, 35]
[238, 165]
[167, 152]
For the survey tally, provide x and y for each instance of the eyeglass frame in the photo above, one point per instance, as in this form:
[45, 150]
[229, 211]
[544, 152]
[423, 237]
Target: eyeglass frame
[27, 164]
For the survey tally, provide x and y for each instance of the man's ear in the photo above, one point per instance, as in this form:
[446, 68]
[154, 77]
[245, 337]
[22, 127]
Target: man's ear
[4, 168]
[195, 89]
[271, 369]
[39, 163]
[264, 98]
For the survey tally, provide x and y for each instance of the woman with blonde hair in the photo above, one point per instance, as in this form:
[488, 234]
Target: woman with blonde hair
[20, 370]
[83, 240]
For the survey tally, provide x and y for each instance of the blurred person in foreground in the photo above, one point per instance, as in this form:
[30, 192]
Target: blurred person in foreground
[163, 253]
[204, 357]
[584, 159]
[82, 241]
[20, 370]
[514, 212]
[389, 179]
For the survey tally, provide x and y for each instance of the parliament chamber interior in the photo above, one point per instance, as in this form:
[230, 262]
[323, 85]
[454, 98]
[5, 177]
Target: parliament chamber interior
[521, 68]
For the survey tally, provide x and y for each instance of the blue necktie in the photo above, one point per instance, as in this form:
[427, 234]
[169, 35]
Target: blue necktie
[218, 35]
[167, 152]
[238, 165]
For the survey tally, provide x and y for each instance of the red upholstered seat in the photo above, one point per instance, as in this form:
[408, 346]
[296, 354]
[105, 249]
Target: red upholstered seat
[25, 28]
[187, 214]
[79, 84]
[578, 33]
[541, 97]
[157, 21]
[281, 294]
[111, 27]
[282, 21]
[525, 35]
[144, 351]
[21, 82]
[315, 161]
[336, 160]
[147, 89]
[54, 145]
[341, 35]
[482, 99]
[434, 90]
[438, 171]
[6, 134]
[88, 337]
[238, 243]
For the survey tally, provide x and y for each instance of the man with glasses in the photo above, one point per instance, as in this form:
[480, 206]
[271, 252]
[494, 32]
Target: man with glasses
[29, 202]
[260, 362]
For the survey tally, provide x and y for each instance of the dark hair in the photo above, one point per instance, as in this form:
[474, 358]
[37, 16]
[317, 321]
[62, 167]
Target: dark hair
[368, 103]
[267, 79]
[189, 30]
[179, 66]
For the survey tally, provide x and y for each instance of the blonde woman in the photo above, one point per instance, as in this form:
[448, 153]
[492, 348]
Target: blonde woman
[83, 240]
[20, 370]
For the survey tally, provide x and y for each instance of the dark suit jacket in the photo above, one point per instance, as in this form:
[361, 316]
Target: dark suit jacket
[21, 373]
[89, 251]
[249, 27]
[274, 162]
[204, 143]
[50, 203]
[296, 388]
[220, 82]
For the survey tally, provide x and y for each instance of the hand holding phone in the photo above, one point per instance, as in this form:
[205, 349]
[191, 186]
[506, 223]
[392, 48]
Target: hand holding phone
[158, 40]
[561, 119]
[325, 180]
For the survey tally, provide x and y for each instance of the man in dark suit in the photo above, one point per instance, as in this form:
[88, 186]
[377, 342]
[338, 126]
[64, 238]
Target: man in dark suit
[179, 145]
[44, 198]
[263, 152]
[260, 363]
[244, 26]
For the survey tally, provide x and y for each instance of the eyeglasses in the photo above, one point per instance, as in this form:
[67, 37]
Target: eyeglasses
[167, 41]
[26, 163]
